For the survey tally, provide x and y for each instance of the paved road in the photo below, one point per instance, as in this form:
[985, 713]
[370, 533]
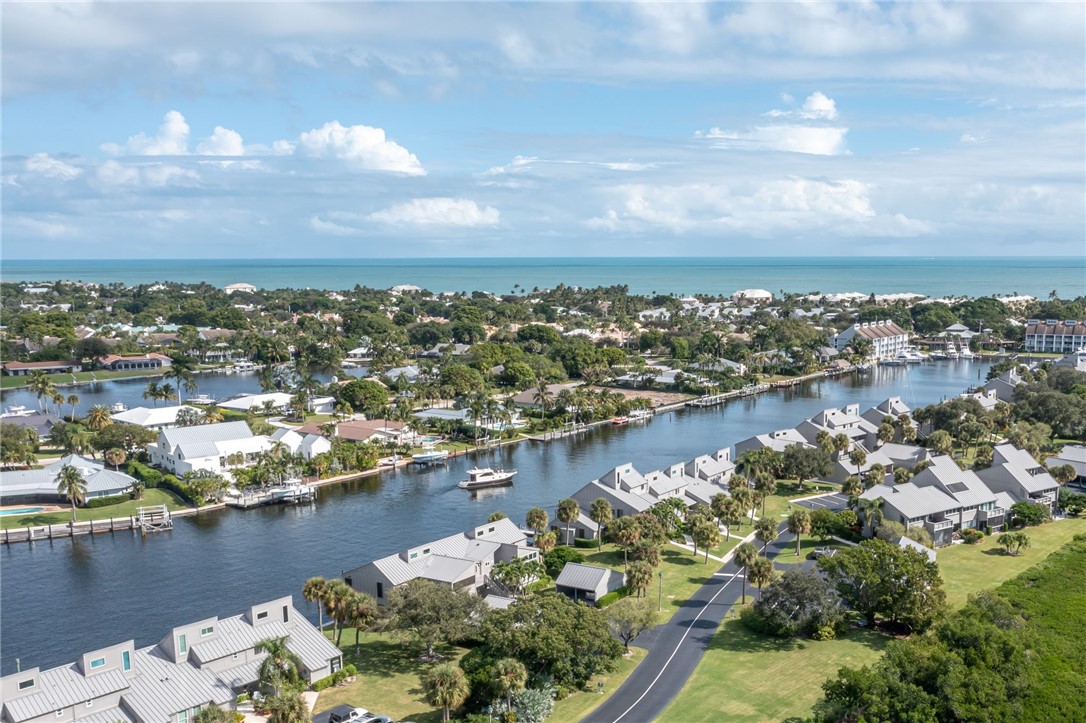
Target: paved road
[675, 648]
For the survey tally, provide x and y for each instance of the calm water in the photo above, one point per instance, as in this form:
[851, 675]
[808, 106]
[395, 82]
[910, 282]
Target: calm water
[929, 276]
[66, 597]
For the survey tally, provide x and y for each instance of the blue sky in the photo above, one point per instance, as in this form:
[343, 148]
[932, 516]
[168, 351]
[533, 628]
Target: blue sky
[161, 130]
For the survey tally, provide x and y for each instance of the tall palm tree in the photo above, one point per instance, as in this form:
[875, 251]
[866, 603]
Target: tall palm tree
[799, 523]
[73, 399]
[70, 484]
[639, 576]
[115, 456]
[181, 372]
[727, 512]
[568, 509]
[98, 417]
[766, 484]
[281, 666]
[165, 391]
[745, 497]
[871, 511]
[852, 486]
[542, 397]
[446, 686]
[745, 555]
[601, 514]
[760, 572]
[314, 590]
[510, 676]
[152, 392]
[41, 385]
[766, 531]
[361, 612]
[537, 519]
[336, 601]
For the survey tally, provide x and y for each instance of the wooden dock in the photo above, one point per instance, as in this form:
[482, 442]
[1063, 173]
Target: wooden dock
[148, 519]
[716, 399]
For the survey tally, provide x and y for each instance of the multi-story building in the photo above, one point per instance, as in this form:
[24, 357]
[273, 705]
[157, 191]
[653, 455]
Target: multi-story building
[887, 338]
[1052, 335]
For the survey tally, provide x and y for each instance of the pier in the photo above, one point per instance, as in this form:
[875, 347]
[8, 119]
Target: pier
[147, 519]
[713, 400]
[282, 494]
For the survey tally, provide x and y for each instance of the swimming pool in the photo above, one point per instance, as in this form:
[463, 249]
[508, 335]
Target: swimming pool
[20, 511]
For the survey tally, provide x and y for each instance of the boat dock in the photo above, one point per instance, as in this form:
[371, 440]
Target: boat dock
[282, 494]
[715, 399]
[157, 518]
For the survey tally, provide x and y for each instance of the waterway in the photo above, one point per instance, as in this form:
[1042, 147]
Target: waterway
[66, 597]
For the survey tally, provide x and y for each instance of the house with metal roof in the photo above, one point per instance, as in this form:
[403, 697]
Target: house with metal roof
[1017, 473]
[296, 442]
[40, 485]
[890, 407]
[207, 662]
[587, 582]
[887, 338]
[153, 417]
[462, 561]
[777, 440]
[213, 447]
[1074, 455]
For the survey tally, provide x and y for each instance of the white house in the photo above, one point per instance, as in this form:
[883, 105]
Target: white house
[212, 447]
[757, 296]
[887, 338]
[153, 417]
[1052, 335]
[307, 445]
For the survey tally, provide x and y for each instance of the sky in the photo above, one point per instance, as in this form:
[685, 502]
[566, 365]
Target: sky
[252, 129]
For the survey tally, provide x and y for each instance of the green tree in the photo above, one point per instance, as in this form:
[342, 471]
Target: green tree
[314, 590]
[288, 707]
[760, 572]
[432, 613]
[510, 677]
[1029, 513]
[629, 617]
[280, 668]
[625, 531]
[726, 510]
[567, 513]
[537, 519]
[639, 576]
[799, 602]
[71, 485]
[940, 442]
[446, 686]
[707, 534]
[766, 531]
[601, 514]
[803, 463]
[212, 714]
[799, 523]
[745, 555]
[98, 417]
[1013, 542]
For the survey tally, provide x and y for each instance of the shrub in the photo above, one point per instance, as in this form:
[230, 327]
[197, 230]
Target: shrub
[1029, 513]
[178, 487]
[243, 697]
[150, 476]
[972, 537]
[613, 597]
[557, 558]
[585, 544]
[107, 501]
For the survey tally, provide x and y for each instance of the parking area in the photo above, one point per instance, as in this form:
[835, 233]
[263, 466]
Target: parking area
[835, 501]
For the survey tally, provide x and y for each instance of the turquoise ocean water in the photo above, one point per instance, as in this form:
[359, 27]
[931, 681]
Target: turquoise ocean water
[929, 276]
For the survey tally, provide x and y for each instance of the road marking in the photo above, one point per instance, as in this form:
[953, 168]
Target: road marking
[724, 574]
[678, 645]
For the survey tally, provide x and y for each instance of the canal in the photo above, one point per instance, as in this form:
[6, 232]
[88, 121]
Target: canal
[65, 597]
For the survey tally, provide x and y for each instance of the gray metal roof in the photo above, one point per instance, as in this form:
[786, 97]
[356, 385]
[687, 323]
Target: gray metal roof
[62, 687]
[912, 501]
[222, 432]
[44, 481]
[583, 577]
[109, 715]
[195, 450]
[244, 674]
[445, 569]
[235, 634]
[161, 688]
[963, 485]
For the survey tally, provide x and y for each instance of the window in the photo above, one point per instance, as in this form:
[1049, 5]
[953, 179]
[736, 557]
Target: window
[90, 703]
[207, 631]
[182, 644]
[414, 555]
[126, 661]
[380, 589]
[286, 613]
[235, 657]
[183, 717]
[97, 663]
[262, 615]
[26, 684]
[426, 551]
[490, 530]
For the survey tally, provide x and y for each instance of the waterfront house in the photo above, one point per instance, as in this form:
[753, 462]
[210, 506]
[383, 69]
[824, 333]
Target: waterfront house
[148, 362]
[1076, 360]
[211, 447]
[1017, 473]
[243, 288]
[777, 440]
[259, 403]
[152, 417]
[1054, 336]
[366, 430]
[1004, 386]
[527, 398]
[1074, 455]
[208, 662]
[41, 422]
[440, 350]
[40, 485]
[25, 369]
[587, 582]
[891, 407]
[887, 338]
[462, 561]
[409, 373]
[845, 421]
[296, 442]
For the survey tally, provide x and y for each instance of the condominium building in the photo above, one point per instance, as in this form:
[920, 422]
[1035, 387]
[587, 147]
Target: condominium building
[1051, 335]
[887, 338]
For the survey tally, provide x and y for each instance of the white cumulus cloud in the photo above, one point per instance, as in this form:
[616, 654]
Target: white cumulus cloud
[819, 141]
[222, 142]
[43, 164]
[817, 107]
[172, 139]
[441, 211]
[361, 145]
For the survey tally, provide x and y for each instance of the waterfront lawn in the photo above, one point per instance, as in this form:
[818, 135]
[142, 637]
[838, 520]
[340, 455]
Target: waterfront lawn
[63, 379]
[122, 510]
[388, 680]
[749, 677]
[683, 573]
[965, 569]
[579, 704]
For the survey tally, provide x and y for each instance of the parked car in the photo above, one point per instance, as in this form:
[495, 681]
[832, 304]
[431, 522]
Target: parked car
[821, 552]
[343, 714]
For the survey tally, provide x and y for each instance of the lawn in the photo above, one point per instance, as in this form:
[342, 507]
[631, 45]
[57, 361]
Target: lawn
[683, 573]
[968, 568]
[777, 505]
[65, 379]
[122, 510]
[749, 677]
[806, 546]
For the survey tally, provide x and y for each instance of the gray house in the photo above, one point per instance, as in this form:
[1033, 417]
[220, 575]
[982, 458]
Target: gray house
[1017, 473]
[195, 665]
[40, 485]
[587, 582]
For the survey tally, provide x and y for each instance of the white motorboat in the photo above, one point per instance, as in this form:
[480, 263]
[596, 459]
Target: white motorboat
[118, 407]
[484, 477]
[430, 454]
[967, 353]
[937, 355]
[200, 399]
[244, 366]
[17, 411]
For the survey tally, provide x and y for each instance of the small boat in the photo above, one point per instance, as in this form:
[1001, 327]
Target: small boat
[619, 421]
[938, 355]
[17, 411]
[430, 454]
[118, 407]
[244, 366]
[967, 353]
[952, 354]
[200, 399]
[484, 477]
[291, 491]
[895, 362]
[640, 415]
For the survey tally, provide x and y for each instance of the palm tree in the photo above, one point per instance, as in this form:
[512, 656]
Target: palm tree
[336, 601]
[115, 456]
[871, 511]
[841, 443]
[877, 474]
[745, 555]
[165, 391]
[852, 487]
[361, 612]
[314, 590]
[902, 475]
[70, 484]
[625, 531]
[537, 519]
[41, 385]
[799, 523]
[58, 402]
[766, 484]
[639, 576]
[766, 531]
[73, 399]
[510, 676]
[153, 392]
[290, 707]
[542, 397]
[568, 509]
[600, 512]
[744, 496]
[280, 666]
[726, 510]
[213, 714]
[181, 372]
[858, 457]
[707, 534]
[760, 572]
[446, 686]
[98, 417]
[546, 541]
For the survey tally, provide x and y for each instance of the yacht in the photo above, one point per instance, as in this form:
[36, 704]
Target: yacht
[911, 355]
[937, 355]
[484, 477]
[952, 353]
[429, 454]
[967, 353]
[200, 399]
[244, 366]
[118, 407]
[17, 411]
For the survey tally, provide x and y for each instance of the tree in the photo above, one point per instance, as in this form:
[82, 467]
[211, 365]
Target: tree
[760, 572]
[430, 612]
[629, 617]
[825, 523]
[98, 417]
[534, 705]
[880, 579]
[314, 590]
[707, 534]
[940, 442]
[744, 497]
[1063, 473]
[726, 510]
[745, 555]
[639, 576]
[510, 677]
[280, 667]
[70, 484]
[518, 573]
[799, 602]
[803, 463]
[364, 394]
[904, 474]
[546, 541]
[337, 598]
[213, 714]
[765, 485]
[600, 512]
[115, 456]
[871, 509]
[766, 531]
[289, 707]
[858, 457]
[567, 513]
[1029, 513]
[1013, 542]
[799, 523]
[153, 392]
[625, 532]
[645, 550]
[495, 516]
[876, 474]
[360, 613]
[537, 519]
[852, 487]
[446, 686]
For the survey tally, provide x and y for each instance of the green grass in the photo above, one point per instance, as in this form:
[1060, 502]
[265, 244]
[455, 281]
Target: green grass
[122, 510]
[683, 573]
[62, 379]
[806, 546]
[968, 568]
[577, 705]
[388, 680]
[745, 676]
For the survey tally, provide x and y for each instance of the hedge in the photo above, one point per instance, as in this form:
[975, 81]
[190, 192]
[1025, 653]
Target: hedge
[585, 544]
[107, 501]
[334, 679]
[150, 476]
[613, 597]
[179, 488]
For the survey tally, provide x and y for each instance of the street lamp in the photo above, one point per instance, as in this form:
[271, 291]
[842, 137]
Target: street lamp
[660, 593]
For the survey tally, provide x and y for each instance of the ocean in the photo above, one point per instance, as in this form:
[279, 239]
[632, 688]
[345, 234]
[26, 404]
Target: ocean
[935, 277]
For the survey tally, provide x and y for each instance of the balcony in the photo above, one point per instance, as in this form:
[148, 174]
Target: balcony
[996, 513]
[937, 525]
